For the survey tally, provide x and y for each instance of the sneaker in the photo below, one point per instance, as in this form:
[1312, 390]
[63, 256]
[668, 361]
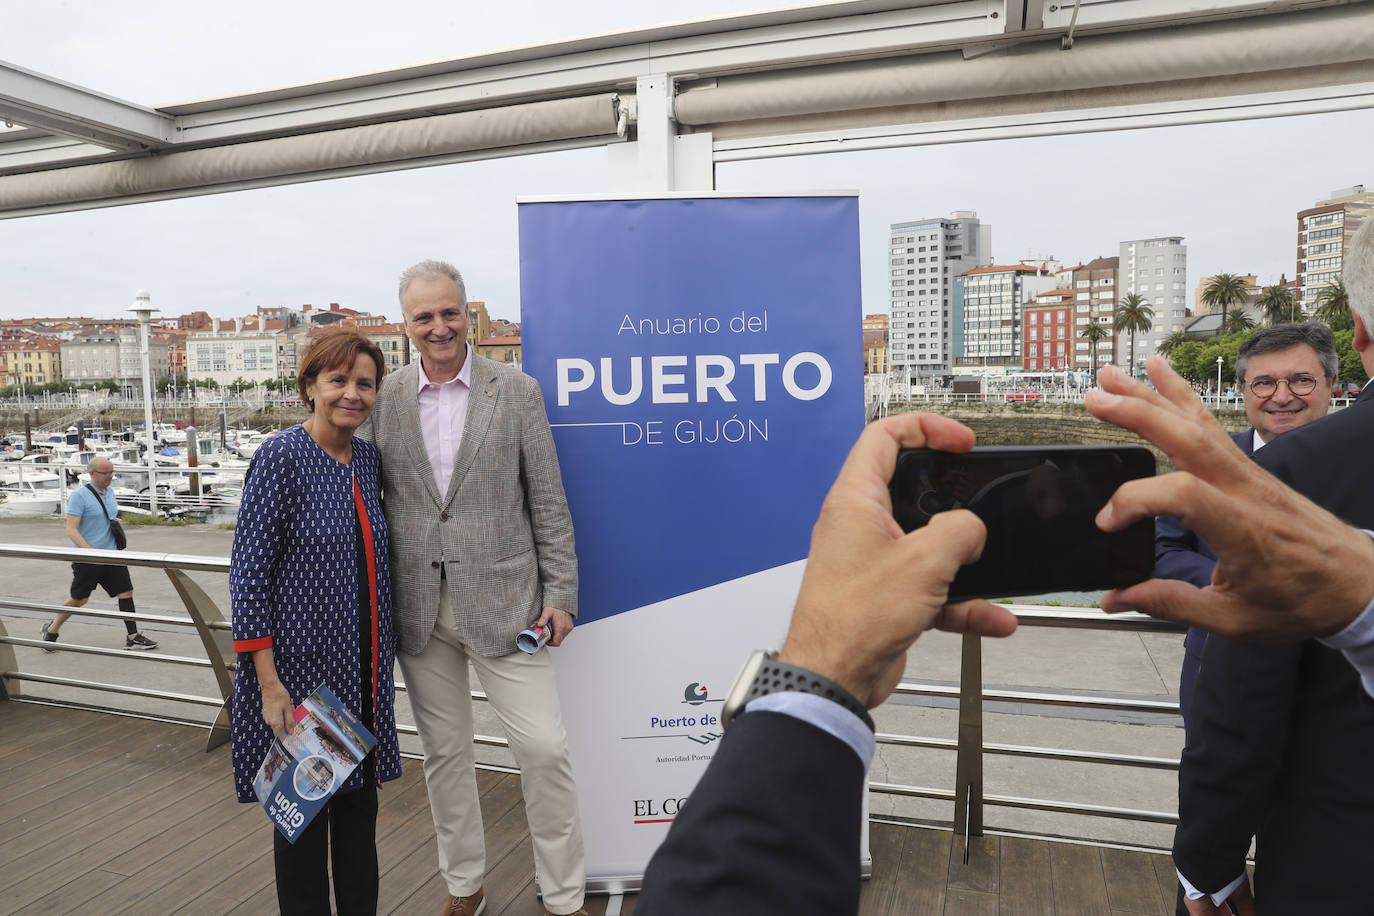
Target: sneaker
[139, 641]
[48, 637]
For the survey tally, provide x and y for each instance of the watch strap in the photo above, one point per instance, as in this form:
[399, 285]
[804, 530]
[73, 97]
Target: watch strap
[776, 677]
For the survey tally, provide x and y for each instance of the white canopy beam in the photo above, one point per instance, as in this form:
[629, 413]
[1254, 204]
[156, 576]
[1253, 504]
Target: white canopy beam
[42, 102]
[809, 78]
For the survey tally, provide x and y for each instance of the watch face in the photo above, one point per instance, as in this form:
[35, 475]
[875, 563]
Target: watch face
[739, 691]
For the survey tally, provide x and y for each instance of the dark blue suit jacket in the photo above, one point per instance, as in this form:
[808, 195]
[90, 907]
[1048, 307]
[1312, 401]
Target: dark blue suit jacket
[1285, 732]
[1181, 554]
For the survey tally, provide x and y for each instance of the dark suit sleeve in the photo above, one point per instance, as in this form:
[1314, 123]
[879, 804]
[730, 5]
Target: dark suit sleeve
[1177, 555]
[1242, 710]
[773, 827]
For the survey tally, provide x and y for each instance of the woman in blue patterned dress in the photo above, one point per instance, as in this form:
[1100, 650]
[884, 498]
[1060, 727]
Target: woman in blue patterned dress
[311, 591]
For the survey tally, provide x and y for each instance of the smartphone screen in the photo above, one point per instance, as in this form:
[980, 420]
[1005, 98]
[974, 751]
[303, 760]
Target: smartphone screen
[1038, 505]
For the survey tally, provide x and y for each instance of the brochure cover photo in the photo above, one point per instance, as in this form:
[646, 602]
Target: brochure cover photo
[305, 765]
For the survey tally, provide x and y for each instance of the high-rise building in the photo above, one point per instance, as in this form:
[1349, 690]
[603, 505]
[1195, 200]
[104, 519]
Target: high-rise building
[987, 303]
[1324, 234]
[924, 257]
[1157, 271]
[1094, 302]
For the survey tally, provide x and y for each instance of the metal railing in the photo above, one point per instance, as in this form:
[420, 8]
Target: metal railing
[968, 795]
[970, 747]
[202, 615]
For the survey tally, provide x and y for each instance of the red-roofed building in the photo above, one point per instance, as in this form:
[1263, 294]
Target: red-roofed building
[194, 321]
[33, 360]
[501, 349]
[1047, 331]
[391, 339]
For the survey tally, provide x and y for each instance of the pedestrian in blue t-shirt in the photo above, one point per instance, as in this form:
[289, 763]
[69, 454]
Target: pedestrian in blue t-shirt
[88, 525]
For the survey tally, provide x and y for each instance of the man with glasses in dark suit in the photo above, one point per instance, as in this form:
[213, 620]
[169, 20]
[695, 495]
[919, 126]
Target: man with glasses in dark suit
[1286, 372]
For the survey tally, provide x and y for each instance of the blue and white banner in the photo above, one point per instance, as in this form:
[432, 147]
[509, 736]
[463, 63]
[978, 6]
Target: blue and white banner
[701, 364]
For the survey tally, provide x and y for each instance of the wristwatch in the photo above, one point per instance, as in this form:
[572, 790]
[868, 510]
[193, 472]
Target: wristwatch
[763, 674]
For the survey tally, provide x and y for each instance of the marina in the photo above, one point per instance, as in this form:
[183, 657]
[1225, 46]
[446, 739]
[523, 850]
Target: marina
[200, 480]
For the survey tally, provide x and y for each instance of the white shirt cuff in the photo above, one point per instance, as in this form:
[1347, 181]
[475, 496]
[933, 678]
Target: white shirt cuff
[1356, 642]
[1218, 898]
[826, 715]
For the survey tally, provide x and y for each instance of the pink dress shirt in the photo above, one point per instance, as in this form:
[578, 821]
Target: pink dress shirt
[443, 411]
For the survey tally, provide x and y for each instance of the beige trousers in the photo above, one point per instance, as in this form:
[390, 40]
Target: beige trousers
[523, 692]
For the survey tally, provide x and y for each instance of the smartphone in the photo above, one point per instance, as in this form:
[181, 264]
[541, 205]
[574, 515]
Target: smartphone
[1038, 505]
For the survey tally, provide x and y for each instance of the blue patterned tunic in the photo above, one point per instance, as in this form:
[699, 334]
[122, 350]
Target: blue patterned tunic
[293, 584]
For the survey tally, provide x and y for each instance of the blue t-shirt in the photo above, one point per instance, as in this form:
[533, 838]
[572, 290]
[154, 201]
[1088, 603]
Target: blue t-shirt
[95, 524]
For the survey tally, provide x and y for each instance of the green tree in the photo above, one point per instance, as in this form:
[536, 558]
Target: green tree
[1184, 359]
[1133, 314]
[1333, 306]
[1237, 320]
[1093, 333]
[1224, 291]
[1278, 305]
[1168, 345]
[1351, 367]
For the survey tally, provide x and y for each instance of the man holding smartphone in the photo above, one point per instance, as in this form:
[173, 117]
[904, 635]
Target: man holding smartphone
[1286, 373]
[1282, 732]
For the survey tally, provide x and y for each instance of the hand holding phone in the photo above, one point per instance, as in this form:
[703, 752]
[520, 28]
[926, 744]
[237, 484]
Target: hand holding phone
[1039, 506]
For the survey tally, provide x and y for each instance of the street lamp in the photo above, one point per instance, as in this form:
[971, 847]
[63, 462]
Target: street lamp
[1219, 361]
[142, 308]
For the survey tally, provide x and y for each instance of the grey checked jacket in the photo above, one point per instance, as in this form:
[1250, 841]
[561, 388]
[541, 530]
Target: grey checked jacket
[501, 534]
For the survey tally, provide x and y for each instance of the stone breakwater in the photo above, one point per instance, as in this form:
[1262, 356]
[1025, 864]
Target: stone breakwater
[1053, 424]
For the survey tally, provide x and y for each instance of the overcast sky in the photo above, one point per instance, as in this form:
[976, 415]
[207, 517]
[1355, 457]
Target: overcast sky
[1231, 190]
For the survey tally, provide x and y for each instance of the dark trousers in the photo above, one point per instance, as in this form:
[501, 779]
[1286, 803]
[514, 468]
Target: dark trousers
[344, 834]
[1187, 678]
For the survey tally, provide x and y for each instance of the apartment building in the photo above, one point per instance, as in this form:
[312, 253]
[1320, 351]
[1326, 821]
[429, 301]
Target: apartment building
[1156, 270]
[1324, 233]
[924, 258]
[1047, 331]
[987, 305]
[1094, 302]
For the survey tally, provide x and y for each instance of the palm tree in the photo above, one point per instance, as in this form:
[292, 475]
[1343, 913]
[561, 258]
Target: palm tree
[1333, 306]
[1093, 333]
[1133, 314]
[1169, 344]
[1237, 320]
[1277, 304]
[1224, 291]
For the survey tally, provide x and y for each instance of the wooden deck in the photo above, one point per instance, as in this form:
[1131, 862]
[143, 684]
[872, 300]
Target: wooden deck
[122, 815]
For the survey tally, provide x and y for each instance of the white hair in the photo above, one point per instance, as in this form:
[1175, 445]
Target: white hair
[1358, 272]
[430, 268]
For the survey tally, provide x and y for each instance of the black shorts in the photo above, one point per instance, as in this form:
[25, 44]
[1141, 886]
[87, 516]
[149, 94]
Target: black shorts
[86, 576]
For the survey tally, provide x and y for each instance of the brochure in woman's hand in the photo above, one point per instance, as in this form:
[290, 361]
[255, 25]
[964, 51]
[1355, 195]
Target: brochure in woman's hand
[306, 765]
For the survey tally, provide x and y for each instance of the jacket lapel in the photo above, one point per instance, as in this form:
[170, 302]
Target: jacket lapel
[407, 426]
[481, 408]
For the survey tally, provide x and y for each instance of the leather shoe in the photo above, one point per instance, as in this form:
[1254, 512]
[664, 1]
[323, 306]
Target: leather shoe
[465, 906]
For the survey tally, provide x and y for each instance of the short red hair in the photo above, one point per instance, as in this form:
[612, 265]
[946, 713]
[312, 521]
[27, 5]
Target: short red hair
[333, 349]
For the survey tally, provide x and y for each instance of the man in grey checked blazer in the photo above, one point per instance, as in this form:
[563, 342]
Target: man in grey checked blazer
[481, 547]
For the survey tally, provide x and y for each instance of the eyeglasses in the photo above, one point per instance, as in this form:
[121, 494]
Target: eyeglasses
[1264, 386]
[110, 471]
